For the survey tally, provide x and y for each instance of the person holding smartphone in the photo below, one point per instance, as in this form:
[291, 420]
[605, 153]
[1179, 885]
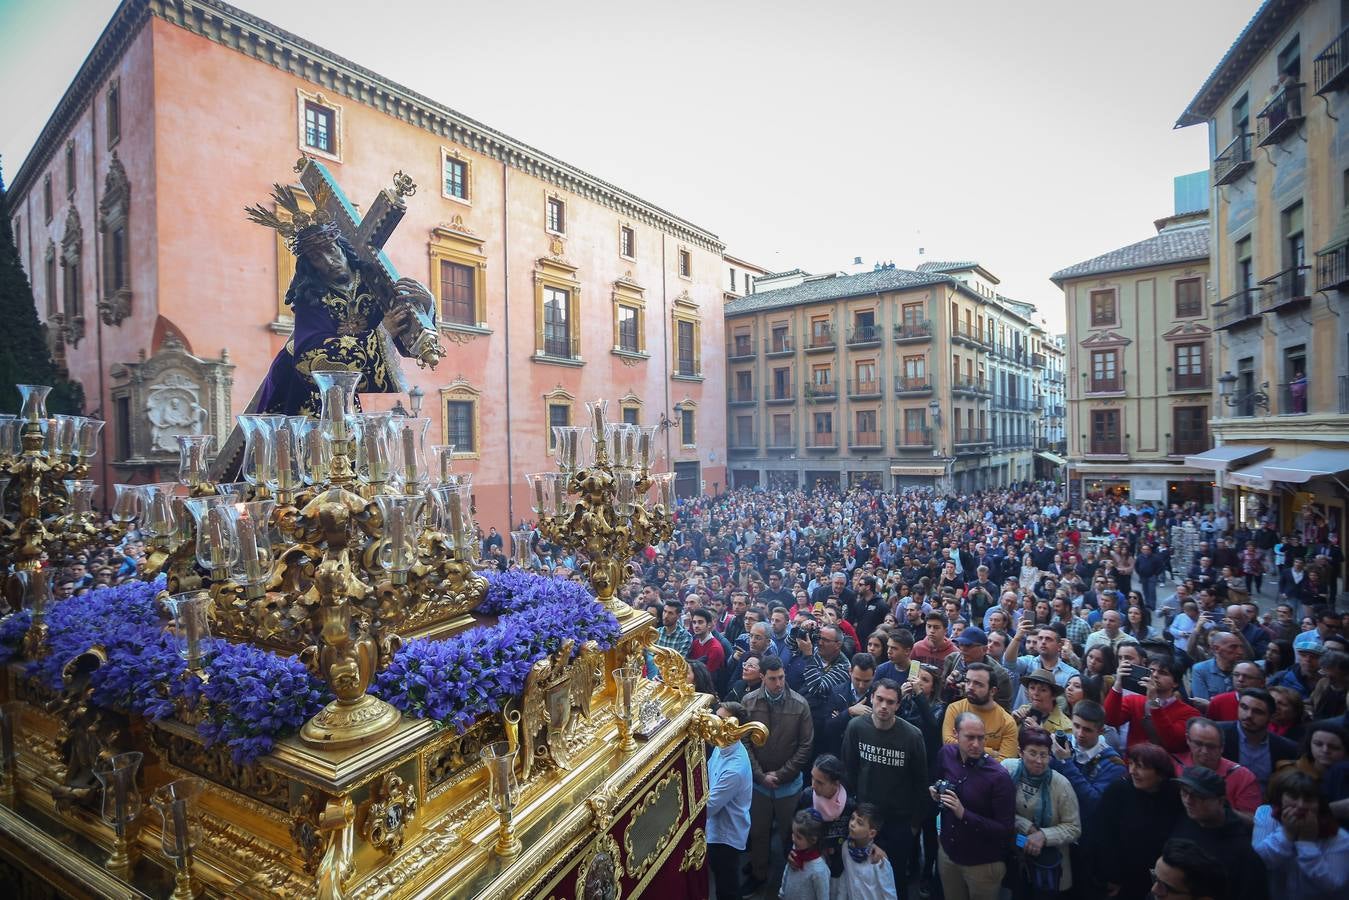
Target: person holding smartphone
[1159, 714]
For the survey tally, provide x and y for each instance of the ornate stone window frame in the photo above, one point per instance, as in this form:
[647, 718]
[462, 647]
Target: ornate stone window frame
[688, 406]
[72, 277]
[455, 242]
[627, 292]
[461, 391]
[70, 169]
[301, 97]
[558, 396]
[112, 112]
[685, 310]
[47, 199]
[630, 401]
[49, 277]
[113, 213]
[556, 273]
[452, 153]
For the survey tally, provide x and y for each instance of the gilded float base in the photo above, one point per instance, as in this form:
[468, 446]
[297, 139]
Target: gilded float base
[346, 724]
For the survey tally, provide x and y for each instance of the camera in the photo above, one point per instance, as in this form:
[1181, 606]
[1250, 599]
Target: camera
[1062, 738]
[797, 633]
[941, 786]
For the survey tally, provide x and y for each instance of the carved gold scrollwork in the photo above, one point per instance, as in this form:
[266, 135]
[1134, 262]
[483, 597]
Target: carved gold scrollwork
[725, 732]
[696, 855]
[304, 831]
[393, 806]
[600, 875]
[334, 825]
[674, 670]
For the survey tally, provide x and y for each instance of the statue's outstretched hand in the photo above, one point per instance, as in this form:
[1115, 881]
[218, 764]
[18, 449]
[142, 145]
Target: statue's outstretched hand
[409, 290]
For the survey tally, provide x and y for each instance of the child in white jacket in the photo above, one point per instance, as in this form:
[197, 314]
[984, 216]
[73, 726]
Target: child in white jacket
[862, 878]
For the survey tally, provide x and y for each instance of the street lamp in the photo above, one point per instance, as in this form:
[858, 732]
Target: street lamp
[936, 411]
[1227, 390]
[415, 397]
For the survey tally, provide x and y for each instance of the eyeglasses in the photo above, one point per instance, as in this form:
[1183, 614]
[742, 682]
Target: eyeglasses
[1167, 889]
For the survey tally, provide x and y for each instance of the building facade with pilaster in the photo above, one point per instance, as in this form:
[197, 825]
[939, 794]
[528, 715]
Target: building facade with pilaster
[1276, 107]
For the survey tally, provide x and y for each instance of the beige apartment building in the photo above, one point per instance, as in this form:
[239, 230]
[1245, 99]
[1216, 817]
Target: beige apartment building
[1277, 111]
[885, 377]
[1139, 367]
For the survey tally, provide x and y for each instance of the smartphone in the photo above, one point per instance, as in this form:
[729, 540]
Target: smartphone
[1021, 841]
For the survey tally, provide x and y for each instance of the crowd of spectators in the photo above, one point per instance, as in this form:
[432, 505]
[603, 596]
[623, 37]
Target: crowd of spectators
[990, 695]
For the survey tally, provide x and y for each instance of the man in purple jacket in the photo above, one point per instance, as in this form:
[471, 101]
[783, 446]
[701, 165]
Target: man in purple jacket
[978, 815]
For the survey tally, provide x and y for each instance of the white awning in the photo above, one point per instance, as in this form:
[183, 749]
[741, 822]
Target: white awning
[1052, 458]
[919, 471]
[1220, 459]
[1253, 476]
[1304, 468]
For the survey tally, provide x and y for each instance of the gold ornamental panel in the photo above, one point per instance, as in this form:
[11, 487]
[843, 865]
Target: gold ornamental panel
[655, 822]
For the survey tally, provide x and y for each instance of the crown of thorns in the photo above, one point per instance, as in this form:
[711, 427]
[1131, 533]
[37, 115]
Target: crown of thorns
[302, 229]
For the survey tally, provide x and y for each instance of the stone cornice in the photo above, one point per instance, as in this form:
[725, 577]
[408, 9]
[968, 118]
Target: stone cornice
[121, 30]
[261, 40]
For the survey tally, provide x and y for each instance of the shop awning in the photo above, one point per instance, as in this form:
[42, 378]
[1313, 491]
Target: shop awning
[1252, 476]
[1221, 459]
[919, 471]
[1051, 458]
[1304, 468]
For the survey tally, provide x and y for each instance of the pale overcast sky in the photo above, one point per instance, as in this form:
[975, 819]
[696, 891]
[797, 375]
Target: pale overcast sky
[1026, 135]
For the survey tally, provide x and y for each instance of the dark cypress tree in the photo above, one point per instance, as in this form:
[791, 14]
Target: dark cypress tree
[24, 355]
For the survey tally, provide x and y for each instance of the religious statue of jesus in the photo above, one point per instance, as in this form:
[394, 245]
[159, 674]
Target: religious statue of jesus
[349, 313]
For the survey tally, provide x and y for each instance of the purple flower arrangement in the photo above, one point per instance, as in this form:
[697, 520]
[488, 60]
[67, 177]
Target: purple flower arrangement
[253, 696]
[458, 679]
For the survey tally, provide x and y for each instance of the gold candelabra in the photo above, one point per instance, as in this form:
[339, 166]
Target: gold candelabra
[620, 507]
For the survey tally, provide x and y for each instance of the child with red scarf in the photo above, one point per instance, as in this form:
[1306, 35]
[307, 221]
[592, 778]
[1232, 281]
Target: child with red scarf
[806, 876]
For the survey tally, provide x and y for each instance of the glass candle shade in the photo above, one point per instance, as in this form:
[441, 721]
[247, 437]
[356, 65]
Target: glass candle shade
[374, 447]
[33, 402]
[51, 437]
[561, 494]
[662, 490]
[35, 590]
[259, 466]
[217, 544]
[520, 551]
[625, 683]
[401, 514]
[177, 804]
[67, 435]
[540, 493]
[646, 443]
[194, 458]
[191, 625]
[289, 450]
[318, 456]
[121, 798]
[236, 491]
[442, 459]
[10, 429]
[572, 448]
[595, 413]
[81, 494]
[337, 403]
[126, 504]
[157, 516]
[414, 459]
[499, 760]
[456, 516]
[625, 492]
[250, 525]
[622, 442]
[90, 438]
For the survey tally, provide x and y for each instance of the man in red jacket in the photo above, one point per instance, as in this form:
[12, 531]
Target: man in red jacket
[1159, 716]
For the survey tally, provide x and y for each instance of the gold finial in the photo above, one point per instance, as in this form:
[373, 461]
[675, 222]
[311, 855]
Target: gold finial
[403, 186]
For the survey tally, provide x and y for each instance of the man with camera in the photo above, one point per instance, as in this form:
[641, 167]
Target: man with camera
[817, 667]
[977, 806]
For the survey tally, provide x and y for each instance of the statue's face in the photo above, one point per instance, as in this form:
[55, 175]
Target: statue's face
[329, 260]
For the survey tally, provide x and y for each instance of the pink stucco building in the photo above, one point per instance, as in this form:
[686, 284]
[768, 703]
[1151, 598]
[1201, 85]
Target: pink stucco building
[555, 286]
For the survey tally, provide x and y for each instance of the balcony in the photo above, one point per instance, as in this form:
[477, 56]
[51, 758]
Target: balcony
[779, 345]
[781, 440]
[861, 390]
[1293, 398]
[743, 443]
[822, 338]
[1236, 310]
[1106, 385]
[919, 384]
[971, 436]
[1181, 382]
[1234, 160]
[566, 349]
[1054, 410]
[966, 384]
[961, 333]
[912, 332]
[781, 393]
[864, 440]
[864, 336]
[822, 440]
[1285, 290]
[737, 397]
[1188, 444]
[1106, 447]
[1332, 270]
[821, 393]
[914, 439]
[1330, 69]
[1281, 116]
[740, 349]
[1038, 360]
